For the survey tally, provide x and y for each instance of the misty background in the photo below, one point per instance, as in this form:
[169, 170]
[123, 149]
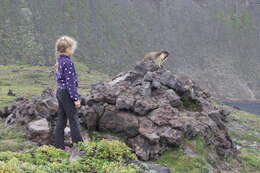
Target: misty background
[216, 42]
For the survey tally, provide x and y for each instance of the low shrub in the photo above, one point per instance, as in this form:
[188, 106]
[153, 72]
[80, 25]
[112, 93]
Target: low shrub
[100, 156]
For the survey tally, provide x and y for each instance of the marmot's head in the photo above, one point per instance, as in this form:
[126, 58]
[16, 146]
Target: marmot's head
[163, 54]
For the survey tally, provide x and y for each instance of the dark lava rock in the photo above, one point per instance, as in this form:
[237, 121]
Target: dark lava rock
[10, 93]
[155, 109]
[150, 106]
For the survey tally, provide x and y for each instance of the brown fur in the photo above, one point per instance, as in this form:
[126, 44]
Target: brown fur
[157, 56]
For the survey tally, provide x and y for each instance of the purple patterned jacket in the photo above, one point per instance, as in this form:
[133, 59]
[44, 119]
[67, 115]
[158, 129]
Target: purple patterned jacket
[66, 76]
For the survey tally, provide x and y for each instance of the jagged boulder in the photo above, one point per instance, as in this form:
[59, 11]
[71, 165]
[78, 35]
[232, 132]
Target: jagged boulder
[31, 113]
[24, 110]
[154, 109]
[7, 110]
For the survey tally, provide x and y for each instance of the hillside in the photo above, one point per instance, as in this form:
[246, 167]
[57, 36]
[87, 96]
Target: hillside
[216, 42]
[28, 81]
[190, 156]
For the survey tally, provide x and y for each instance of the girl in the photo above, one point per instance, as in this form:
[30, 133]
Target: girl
[66, 94]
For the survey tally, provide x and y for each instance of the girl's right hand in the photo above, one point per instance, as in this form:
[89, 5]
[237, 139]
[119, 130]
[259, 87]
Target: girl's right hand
[77, 104]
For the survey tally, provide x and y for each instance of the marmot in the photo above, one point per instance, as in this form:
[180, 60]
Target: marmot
[158, 57]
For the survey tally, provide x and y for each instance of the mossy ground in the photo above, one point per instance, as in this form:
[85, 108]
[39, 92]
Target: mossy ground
[179, 162]
[28, 81]
[13, 139]
[15, 155]
[244, 131]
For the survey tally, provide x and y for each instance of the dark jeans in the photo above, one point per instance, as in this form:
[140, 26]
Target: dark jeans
[67, 110]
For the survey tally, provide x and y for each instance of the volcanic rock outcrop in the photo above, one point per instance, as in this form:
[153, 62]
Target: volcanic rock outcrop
[25, 110]
[149, 107]
[153, 109]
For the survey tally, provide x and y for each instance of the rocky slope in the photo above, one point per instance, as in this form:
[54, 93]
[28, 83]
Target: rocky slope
[148, 107]
[215, 42]
[154, 109]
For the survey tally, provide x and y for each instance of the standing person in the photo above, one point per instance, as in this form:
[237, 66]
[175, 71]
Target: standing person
[66, 94]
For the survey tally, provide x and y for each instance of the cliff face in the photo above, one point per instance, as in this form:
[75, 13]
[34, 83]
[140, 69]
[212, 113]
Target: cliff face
[215, 42]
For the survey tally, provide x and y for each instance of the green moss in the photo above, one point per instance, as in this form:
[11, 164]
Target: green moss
[180, 163]
[97, 135]
[191, 105]
[198, 144]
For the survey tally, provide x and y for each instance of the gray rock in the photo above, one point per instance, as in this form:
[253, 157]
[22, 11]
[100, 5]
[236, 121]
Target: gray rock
[151, 167]
[10, 120]
[172, 136]
[38, 131]
[148, 129]
[125, 102]
[143, 106]
[156, 84]
[147, 89]
[119, 122]
[75, 154]
[173, 98]
[148, 77]
[163, 115]
[11, 93]
[146, 150]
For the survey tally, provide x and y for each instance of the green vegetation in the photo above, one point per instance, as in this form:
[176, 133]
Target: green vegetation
[178, 162]
[240, 22]
[12, 139]
[250, 160]
[103, 156]
[97, 135]
[189, 104]
[245, 128]
[245, 132]
[28, 81]
[19, 36]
